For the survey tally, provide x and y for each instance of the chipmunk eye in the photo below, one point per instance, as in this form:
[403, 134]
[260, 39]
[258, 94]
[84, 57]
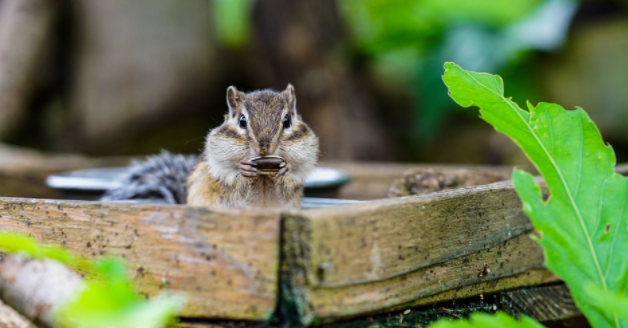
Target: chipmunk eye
[243, 122]
[287, 120]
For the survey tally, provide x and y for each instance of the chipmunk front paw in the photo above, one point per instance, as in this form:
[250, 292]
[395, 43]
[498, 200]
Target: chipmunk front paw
[282, 171]
[248, 169]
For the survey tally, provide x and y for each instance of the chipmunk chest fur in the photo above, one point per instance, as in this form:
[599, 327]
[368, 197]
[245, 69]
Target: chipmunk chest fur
[204, 189]
[260, 124]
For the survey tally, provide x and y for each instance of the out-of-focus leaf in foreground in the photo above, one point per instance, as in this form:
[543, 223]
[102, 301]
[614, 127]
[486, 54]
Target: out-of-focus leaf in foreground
[16, 243]
[583, 223]
[484, 320]
[109, 300]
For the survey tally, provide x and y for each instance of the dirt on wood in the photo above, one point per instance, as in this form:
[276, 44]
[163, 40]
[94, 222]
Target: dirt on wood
[424, 180]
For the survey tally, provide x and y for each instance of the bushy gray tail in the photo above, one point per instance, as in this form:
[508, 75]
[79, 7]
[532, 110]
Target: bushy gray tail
[159, 176]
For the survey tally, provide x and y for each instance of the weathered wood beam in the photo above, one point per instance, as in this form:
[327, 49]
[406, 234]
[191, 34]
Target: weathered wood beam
[547, 303]
[544, 304]
[226, 260]
[352, 260]
[383, 239]
[394, 253]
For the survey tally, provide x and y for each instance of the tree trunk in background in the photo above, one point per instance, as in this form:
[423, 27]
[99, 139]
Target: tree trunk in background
[136, 64]
[295, 41]
[25, 26]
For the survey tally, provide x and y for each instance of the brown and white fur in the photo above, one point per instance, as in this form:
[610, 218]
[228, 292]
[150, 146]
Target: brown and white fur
[225, 177]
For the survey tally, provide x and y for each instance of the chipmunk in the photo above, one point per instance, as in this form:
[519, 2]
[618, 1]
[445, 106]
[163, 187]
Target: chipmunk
[261, 127]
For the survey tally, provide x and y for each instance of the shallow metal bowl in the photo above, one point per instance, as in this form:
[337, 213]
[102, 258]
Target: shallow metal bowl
[321, 186]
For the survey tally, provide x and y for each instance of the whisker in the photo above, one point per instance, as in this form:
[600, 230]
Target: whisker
[193, 139]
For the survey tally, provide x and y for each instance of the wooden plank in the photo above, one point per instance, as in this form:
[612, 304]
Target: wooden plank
[505, 259]
[352, 260]
[377, 256]
[226, 260]
[527, 278]
[545, 304]
[382, 239]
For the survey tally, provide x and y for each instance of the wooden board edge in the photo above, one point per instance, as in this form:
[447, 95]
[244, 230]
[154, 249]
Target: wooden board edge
[88, 230]
[294, 302]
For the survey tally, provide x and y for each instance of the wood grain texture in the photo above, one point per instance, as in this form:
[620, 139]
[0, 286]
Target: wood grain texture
[531, 277]
[555, 297]
[512, 257]
[353, 260]
[383, 239]
[397, 253]
[226, 260]
[547, 303]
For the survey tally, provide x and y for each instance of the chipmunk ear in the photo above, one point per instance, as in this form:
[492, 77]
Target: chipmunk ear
[292, 98]
[234, 98]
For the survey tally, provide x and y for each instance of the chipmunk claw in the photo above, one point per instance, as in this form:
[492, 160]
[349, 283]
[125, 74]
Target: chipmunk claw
[282, 171]
[248, 169]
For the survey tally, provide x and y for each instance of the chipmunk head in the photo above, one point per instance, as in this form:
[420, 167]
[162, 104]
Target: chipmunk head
[262, 123]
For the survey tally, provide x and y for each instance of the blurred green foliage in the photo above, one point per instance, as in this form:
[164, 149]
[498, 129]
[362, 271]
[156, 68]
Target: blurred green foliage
[384, 25]
[484, 320]
[108, 299]
[15, 243]
[232, 20]
[111, 301]
[407, 41]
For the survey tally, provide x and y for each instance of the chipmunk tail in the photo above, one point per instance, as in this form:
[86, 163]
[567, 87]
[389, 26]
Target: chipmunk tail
[158, 176]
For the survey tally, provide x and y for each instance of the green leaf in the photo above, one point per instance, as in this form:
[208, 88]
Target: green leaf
[232, 20]
[615, 302]
[484, 320]
[89, 312]
[16, 243]
[109, 300]
[583, 223]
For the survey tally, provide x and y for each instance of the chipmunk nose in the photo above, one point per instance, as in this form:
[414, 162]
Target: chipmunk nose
[263, 148]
